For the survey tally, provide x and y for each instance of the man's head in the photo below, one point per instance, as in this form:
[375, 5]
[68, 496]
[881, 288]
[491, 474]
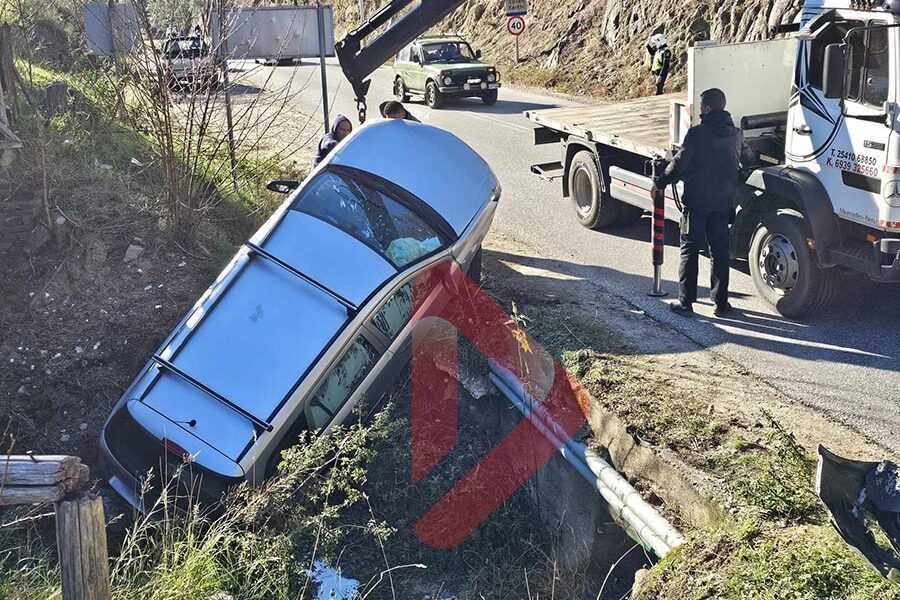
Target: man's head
[393, 110]
[712, 100]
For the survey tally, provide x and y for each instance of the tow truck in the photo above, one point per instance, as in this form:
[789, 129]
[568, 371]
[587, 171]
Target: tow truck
[819, 103]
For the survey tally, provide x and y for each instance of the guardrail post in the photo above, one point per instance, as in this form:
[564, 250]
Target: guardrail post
[81, 544]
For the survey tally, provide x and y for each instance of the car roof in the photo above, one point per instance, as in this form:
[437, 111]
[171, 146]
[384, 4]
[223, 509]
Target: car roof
[457, 191]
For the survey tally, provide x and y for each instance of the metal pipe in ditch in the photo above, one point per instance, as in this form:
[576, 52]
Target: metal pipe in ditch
[642, 521]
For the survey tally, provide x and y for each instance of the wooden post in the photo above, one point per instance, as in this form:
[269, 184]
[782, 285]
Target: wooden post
[81, 543]
[80, 524]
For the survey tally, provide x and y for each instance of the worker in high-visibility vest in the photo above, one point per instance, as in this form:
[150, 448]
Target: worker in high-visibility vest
[658, 46]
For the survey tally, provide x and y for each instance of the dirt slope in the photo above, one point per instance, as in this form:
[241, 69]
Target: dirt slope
[596, 47]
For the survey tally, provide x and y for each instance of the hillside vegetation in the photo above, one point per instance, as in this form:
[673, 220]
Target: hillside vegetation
[596, 47]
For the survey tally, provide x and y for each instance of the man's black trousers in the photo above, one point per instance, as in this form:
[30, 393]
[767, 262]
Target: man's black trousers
[706, 230]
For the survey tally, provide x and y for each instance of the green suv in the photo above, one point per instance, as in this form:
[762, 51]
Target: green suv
[442, 67]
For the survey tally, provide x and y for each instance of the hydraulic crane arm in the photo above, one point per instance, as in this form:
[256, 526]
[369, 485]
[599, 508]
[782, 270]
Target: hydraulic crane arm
[358, 61]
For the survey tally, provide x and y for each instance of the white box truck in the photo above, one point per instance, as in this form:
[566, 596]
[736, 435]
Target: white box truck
[820, 108]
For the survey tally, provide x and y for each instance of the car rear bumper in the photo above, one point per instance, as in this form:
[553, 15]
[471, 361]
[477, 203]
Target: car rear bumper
[124, 483]
[473, 90]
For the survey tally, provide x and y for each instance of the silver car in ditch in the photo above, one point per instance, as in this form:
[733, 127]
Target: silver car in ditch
[313, 315]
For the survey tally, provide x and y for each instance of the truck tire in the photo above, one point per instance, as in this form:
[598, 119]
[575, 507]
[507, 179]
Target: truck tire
[433, 97]
[489, 97]
[400, 92]
[784, 268]
[594, 208]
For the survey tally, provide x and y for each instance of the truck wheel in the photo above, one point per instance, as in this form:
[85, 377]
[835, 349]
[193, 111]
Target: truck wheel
[489, 97]
[433, 96]
[400, 92]
[594, 208]
[784, 269]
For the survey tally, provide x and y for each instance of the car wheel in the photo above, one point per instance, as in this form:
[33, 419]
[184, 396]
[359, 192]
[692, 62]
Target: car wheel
[489, 97]
[474, 271]
[400, 92]
[594, 207]
[433, 96]
[784, 268]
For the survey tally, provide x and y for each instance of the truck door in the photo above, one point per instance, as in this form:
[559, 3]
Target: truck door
[845, 142]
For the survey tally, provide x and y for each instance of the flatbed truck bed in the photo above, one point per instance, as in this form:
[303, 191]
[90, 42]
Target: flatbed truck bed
[640, 126]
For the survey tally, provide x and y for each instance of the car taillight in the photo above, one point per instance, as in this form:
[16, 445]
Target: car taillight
[175, 449]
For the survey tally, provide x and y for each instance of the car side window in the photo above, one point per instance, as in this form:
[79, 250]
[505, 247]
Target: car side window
[371, 216]
[396, 313]
[341, 382]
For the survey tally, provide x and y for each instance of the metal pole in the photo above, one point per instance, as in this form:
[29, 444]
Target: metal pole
[229, 118]
[517, 49]
[658, 234]
[320, 12]
[362, 10]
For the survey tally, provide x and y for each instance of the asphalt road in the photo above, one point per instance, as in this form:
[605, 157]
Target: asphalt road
[845, 363]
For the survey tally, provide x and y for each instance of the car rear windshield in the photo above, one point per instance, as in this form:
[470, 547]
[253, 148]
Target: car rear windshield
[370, 215]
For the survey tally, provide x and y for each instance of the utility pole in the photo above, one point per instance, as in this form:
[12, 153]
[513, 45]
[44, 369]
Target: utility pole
[222, 51]
[320, 13]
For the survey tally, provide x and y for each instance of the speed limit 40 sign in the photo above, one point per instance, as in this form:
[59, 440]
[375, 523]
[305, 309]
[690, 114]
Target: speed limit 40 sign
[516, 25]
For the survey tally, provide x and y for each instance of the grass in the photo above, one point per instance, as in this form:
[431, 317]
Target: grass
[775, 542]
[257, 546]
[747, 561]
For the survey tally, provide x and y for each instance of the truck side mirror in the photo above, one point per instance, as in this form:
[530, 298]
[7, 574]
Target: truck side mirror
[478, 54]
[417, 59]
[835, 70]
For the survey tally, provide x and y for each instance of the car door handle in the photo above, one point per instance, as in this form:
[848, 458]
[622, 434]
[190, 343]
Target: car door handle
[803, 130]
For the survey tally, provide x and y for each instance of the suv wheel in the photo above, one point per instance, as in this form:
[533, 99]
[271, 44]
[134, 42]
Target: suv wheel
[400, 92]
[490, 97]
[433, 96]
[784, 269]
[594, 208]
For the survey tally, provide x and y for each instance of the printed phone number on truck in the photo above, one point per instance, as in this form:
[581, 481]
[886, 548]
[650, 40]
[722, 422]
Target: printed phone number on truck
[852, 167]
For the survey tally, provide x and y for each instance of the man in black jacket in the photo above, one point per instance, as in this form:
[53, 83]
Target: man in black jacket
[709, 163]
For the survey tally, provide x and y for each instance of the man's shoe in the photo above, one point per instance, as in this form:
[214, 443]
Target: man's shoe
[723, 310]
[685, 310]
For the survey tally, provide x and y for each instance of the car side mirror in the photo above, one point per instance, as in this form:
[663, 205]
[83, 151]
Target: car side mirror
[416, 59]
[478, 54]
[283, 186]
[835, 70]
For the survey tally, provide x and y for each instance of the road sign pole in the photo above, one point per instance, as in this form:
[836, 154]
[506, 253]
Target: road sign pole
[320, 12]
[517, 49]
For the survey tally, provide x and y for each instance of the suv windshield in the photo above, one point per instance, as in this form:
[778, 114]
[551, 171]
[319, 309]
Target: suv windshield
[187, 48]
[370, 215]
[447, 52]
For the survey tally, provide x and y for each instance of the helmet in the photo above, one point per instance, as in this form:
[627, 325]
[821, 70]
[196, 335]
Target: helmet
[658, 40]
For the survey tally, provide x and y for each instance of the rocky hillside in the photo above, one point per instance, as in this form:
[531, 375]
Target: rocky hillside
[597, 46]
